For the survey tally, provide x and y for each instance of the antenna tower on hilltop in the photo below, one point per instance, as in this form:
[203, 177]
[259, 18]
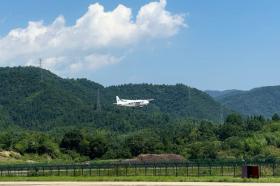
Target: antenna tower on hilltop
[41, 68]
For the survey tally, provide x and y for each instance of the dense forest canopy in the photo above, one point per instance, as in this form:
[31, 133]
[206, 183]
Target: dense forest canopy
[259, 101]
[38, 99]
[237, 138]
[44, 115]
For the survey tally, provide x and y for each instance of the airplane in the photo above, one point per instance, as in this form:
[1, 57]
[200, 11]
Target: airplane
[132, 103]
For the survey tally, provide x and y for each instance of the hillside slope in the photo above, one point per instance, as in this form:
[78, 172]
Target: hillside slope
[259, 101]
[178, 100]
[30, 102]
[216, 94]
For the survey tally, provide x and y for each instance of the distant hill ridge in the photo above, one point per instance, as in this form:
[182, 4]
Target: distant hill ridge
[28, 102]
[258, 101]
[219, 94]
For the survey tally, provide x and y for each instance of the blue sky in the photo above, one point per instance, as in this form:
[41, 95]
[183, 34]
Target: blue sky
[225, 45]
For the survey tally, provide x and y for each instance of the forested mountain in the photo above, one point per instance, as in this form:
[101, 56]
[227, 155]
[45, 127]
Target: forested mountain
[219, 94]
[38, 99]
[43, 117]
[259, 101]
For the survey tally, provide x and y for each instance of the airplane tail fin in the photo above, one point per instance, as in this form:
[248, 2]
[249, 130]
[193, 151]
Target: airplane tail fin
[118, 99]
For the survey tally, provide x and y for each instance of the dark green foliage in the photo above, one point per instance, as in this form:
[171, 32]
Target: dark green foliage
[233, 126]
[275, 117]
[234, 119]
[255, 123]
[73, 128]
[8, 139]
[207, 131]
[117, 148]
[98, 146]
[228, 130]
[259, 101]
[204, 150]
[72, 140]
[253, 137]
[28, 102]
[143, 142]
[36, 143]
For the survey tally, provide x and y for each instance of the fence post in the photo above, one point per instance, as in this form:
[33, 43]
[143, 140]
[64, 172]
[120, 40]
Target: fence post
[187, 169]
[273, 169]
[198, 171]
[165, 169]
[145, 169]
[176, 171]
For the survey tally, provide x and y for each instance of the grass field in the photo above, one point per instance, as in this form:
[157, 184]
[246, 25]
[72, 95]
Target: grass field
[143, 178]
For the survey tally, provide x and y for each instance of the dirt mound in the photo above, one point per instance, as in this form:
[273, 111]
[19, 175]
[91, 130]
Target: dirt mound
[9, 154]
[159, 157]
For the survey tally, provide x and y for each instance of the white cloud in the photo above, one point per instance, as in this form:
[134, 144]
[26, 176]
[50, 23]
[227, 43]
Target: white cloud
[93, 62]
[88, 44]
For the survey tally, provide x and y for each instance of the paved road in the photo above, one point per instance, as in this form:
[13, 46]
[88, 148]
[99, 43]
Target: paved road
[133, 184]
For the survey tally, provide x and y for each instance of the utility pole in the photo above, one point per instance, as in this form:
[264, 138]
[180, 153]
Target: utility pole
[98, 106]
[221, 114]
[41, 70]
[189, 93]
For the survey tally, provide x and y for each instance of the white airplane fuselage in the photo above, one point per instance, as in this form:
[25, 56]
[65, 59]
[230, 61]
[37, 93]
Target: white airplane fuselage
[132, 103]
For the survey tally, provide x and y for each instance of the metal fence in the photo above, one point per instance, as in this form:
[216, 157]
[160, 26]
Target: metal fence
[182, 168]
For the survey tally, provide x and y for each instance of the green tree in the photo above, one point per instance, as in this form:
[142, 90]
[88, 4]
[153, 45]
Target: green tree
[71, 140]
[275, 117]
[144, 142]
[37, 143]
[227, 131]
[97, 147]
[234, 119]
[254, 123]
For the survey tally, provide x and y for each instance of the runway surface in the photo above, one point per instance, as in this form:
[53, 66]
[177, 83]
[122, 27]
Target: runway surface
[134, 184]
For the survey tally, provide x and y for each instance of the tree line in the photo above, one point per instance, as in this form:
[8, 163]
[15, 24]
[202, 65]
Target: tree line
[245, 138]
